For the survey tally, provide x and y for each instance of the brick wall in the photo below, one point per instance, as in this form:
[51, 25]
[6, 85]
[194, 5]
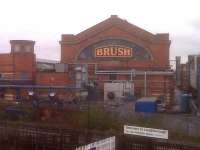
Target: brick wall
[6, 63]
[19, 65]
[57, 79]
[158, 45]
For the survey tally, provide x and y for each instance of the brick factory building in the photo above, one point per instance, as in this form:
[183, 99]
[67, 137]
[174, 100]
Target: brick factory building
[111, 51]
[115, 50]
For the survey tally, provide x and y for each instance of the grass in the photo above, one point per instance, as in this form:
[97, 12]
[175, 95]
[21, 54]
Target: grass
[94, 119]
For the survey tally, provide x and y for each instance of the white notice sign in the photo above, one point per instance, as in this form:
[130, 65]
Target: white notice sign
[148, 132]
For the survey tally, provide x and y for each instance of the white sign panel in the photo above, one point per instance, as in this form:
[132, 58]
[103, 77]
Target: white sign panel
[148, 132]
[105, 144]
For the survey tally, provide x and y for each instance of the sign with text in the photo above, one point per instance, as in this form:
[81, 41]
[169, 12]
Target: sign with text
[114, 48]
[113, 51]
[105, 144]
[147, 132]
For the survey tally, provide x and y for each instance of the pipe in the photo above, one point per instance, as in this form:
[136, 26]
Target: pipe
[145, 84]
[136, 72]
[39, 86]
[131, 76]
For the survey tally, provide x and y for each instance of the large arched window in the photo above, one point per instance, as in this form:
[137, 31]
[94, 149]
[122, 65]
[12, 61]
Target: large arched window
[114, 49]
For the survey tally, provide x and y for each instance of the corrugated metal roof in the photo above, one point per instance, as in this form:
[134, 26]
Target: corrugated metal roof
[147, 99]
[40, 60]
[71, 87]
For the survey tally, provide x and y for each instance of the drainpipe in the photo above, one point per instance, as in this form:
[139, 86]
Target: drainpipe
[145, 83]
[131, 75]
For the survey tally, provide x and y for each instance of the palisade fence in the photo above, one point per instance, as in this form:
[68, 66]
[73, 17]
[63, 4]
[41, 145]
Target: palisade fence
[31, 137]
[133, 143]
[25, 136]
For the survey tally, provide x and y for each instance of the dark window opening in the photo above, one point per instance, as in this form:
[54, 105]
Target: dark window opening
[113, 77]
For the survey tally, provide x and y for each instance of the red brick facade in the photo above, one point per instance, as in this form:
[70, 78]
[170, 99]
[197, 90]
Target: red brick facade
[16, 65]
[116, 29]
[158, 44]
[53, 79]
[149, 53]
[6, 63]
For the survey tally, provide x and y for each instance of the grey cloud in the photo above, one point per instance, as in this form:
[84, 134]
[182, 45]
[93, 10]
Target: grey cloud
[185, 44]
[196, 24]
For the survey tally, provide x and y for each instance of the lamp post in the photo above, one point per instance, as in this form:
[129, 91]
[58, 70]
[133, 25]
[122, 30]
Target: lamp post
[88, 113]
[33, 98]
[52, 96]
[87, 86]
[30, 94]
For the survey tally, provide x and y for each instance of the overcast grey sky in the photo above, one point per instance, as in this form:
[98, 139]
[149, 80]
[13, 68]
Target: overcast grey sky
[45, 20]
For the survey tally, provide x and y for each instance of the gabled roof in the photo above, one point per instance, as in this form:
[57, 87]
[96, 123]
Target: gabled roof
[119, 23]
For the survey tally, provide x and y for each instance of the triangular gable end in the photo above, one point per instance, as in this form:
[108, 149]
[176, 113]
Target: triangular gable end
[122, 25]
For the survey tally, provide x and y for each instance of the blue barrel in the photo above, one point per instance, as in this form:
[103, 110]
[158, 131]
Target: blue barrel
[185, 103]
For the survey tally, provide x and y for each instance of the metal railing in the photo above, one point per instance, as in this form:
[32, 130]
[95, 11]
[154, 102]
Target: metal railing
[32, 137]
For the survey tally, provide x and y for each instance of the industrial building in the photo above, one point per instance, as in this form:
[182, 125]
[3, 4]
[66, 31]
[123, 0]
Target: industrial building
[111, 52]
[188, 76]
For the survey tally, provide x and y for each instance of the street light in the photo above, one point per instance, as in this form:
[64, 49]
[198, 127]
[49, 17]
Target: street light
[52, 97]
[33, 98]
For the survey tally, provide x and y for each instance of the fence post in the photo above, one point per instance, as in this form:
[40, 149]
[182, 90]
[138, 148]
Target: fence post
[150, 145]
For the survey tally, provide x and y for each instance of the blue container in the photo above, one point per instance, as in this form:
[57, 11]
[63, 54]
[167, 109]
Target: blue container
[185, 103]
[14, 112]
[146, 104]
